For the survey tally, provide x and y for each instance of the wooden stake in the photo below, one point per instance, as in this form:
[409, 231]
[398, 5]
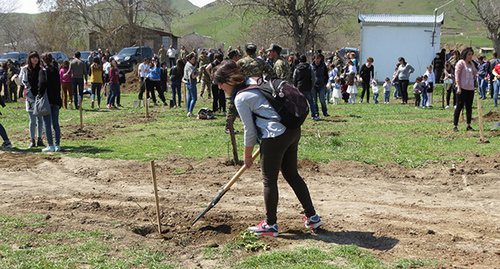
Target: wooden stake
[233, 141]
[146, 104]
[81, 113]
[153, 174]
[480, 111]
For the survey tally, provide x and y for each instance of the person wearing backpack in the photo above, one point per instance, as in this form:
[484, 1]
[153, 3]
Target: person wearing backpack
[304, 79]
[278, 147]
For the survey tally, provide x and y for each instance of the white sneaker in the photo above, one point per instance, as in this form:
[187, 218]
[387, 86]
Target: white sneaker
[57, 148]
[49, 149]
[447, 107]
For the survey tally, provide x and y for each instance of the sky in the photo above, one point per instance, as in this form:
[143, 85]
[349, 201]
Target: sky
[29, 6]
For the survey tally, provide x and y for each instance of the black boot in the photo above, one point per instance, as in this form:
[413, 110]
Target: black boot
[32, 143]
[39, 142]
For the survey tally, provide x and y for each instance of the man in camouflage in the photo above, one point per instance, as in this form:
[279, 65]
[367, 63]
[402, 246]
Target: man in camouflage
[253, 66]
[183, 54]
[280, 66]
[204, 77]
[162, 55]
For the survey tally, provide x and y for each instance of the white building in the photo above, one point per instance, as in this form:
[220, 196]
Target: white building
[386, 37]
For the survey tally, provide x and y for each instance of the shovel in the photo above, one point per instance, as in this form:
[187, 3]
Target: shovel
[496, 126]
[227, 187]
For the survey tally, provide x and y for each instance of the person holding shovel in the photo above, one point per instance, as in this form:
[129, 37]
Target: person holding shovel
[278, 147]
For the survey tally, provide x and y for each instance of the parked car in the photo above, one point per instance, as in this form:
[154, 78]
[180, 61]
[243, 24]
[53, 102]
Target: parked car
[128, 57]
[59, 56]
[344, 49]
[85, 56]
[17, 57]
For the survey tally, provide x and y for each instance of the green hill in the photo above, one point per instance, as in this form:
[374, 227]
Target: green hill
[184, 6]
[216, 21]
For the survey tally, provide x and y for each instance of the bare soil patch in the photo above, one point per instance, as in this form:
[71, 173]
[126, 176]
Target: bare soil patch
[443, 211]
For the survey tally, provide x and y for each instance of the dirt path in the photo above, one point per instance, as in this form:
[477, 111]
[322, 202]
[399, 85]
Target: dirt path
[447, 212]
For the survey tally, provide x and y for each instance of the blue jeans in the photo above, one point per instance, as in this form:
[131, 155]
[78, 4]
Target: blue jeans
[375, 98]
[52, 120]
[482, 83]
[424, 98]
[35, 123]
[114, 90]
[96, 90]
[310, 100]
[496, 88]
[77, 82]
[191, 96]
[387, 96]
[397, 90]
[321, 92]
[329, 94]
[176, 90]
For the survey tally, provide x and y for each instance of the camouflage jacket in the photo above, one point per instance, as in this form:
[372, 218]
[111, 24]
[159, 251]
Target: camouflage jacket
[162, 55]
[203, 60]
[255, 67]
[282, 69]
[338, 62]
[183, 55]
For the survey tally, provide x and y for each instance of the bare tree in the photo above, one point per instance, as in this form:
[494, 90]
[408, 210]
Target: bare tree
[104, 17]
[488, 12]
[300, 19]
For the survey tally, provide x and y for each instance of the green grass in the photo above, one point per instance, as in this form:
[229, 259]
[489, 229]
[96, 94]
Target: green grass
[348, 256]
[21, 247]
[375, 134]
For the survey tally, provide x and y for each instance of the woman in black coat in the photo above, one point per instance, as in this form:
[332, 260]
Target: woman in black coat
[50, 82]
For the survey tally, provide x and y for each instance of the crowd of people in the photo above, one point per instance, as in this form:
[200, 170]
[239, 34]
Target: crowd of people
[323, 80]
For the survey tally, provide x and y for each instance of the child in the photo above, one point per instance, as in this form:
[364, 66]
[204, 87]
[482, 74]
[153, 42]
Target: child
[352, 88]
[425, 86]
[332, 73]
[431, 78]
[375, 90]
[387, 90]
[337, 93]
[417, 91]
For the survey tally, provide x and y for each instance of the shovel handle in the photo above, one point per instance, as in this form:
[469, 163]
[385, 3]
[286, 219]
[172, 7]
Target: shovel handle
[242, 169]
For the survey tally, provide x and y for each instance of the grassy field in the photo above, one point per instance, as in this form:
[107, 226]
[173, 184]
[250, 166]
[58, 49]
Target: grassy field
[378, 134]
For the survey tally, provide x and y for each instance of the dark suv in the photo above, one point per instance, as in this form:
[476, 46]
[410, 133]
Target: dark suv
[127, 58]
[17, 57]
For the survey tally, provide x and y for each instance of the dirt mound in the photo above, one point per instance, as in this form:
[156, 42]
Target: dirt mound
[492, 116]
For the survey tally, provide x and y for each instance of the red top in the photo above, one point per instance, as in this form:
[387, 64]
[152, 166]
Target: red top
[114, 74]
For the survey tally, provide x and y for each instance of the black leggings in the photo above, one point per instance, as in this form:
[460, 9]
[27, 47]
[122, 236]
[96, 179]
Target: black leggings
[219, 101]
[450, 89]
[465, 98]
[280, 153]
[151, 85]
[403, 85]
[366, 88]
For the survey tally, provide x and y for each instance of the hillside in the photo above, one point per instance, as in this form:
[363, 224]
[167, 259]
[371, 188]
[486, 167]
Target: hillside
[216, 21]
[183, 6]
